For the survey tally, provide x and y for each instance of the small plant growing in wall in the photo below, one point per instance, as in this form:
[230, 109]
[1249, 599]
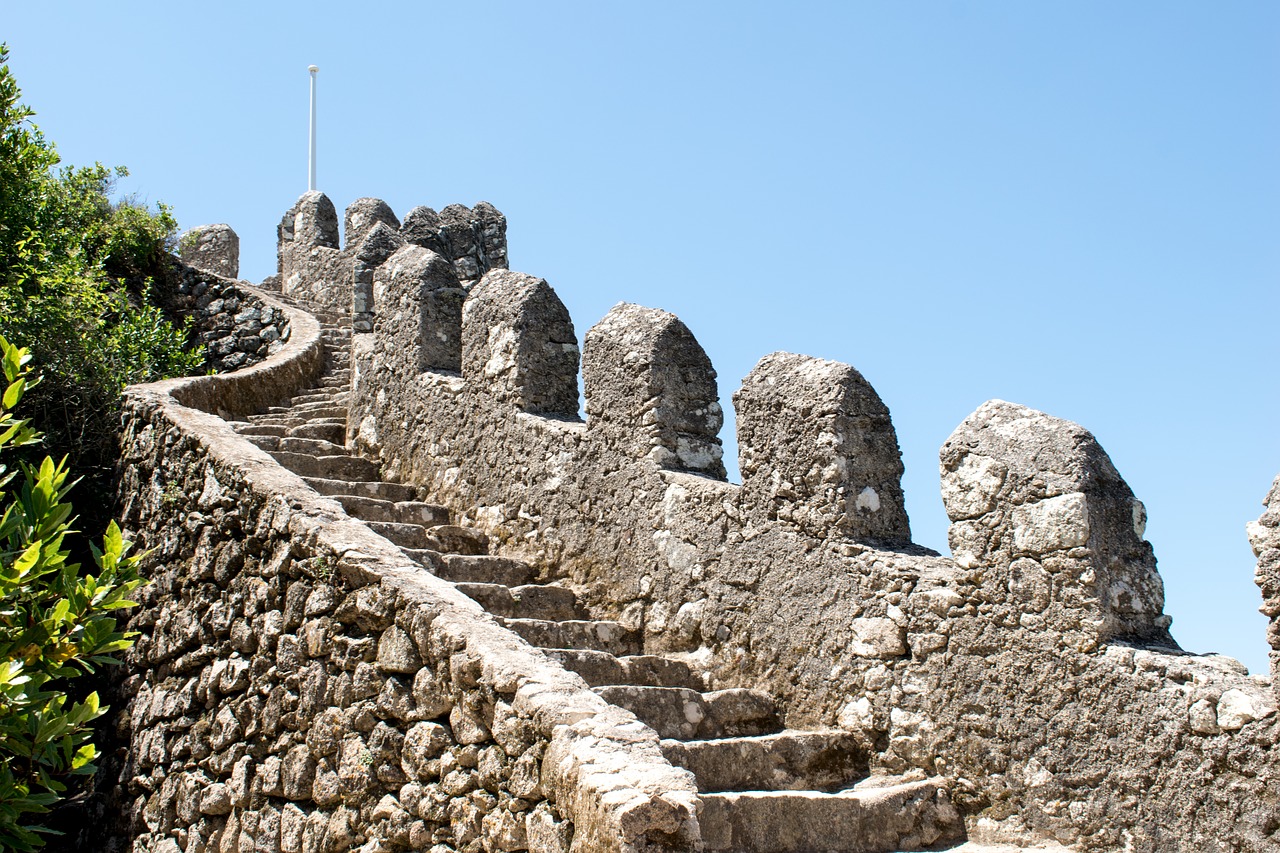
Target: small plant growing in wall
[57, 623]
[189, 241]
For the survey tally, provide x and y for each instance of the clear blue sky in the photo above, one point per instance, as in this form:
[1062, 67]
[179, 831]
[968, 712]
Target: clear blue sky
[1070, 205]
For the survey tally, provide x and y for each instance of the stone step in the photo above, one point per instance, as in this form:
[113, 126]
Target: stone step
[285, 422]
[601, 669]
[484, 568]
[828, 760]
[336, 382]
[328, 467]
[259, 429]
[318, 410]
[531, 601]
[403, 512]
[266, 442]
[331, 432]
[683, 714]
[371, 488]
[907, 816]
[290, 422]
[404, 535]
[314, 396]
[312, 446]
[603, 635]
[454, 539]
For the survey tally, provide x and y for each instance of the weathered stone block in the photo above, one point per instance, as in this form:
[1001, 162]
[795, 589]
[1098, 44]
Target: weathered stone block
[818, 450]
[651, 390]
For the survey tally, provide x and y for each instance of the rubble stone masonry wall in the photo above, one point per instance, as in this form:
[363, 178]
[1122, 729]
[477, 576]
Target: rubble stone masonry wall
[1034, 669]
[299, 686]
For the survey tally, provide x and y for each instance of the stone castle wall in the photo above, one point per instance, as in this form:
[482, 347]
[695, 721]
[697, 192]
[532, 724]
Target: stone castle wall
[299, 686]
[229, 317]
[314, 269]
[1035, 668]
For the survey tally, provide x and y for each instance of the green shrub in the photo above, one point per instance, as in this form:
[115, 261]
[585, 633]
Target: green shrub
[77, 274]
[56, 624]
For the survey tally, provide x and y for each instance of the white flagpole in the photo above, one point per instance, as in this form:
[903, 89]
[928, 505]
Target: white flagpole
[311, 154]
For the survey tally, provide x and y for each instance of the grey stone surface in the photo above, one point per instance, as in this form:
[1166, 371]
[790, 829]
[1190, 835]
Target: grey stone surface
[212, 248]
[420, 312]
[817, 449]
[291, 737]
[1037, 498]
[518, 342]
[363, 215]
[229, 318]
[314, 269]
[651, 390]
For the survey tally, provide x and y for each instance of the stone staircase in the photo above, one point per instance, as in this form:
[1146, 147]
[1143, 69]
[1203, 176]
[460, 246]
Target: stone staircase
[762, 788]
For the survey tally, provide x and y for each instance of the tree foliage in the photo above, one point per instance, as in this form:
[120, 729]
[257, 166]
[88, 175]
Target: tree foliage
[56, 624]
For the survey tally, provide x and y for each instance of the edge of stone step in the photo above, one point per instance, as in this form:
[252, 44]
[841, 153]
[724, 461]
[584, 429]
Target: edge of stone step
[908, 816]
[526, 601]
[791, 760]
[679, 713]
[361, 488]
[603, 635]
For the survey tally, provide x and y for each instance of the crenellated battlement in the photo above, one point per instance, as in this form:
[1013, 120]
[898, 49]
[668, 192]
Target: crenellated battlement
[312, 267]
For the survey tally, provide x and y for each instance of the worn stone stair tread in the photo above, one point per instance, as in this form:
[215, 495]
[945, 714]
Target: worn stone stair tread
[483, 568]
[683, 714]
[528, 601]
[265, 442]
[601, 669]
[404, 535]
[334, 433]
[328, 467]
[312, 446]
[604, 635]
[318, 410]
[455, 539]
[376, 489]
[317, 396]
[818, 760]
[978, 847]
[909, 816]
[285, 421]
[248, 429]
[405, 511]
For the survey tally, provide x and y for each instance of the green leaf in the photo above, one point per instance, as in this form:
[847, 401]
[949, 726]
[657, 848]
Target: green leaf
[13, 393]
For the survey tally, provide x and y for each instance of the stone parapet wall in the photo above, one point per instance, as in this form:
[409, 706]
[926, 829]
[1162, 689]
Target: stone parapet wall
[299, 685]
[313, 268]
[237, 323]
[1035, 670]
